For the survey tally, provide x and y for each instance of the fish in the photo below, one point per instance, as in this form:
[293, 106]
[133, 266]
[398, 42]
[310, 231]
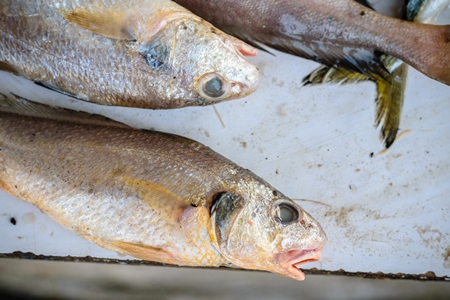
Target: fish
[344, 32]
[151, 54]
[151, 195]
[391, 87]
[351, 41]
[425, 11]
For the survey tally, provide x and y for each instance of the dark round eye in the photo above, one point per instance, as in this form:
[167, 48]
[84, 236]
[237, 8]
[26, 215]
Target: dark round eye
[286, 213]
[212, 85]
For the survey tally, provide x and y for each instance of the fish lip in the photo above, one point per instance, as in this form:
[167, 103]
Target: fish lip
[291, 259]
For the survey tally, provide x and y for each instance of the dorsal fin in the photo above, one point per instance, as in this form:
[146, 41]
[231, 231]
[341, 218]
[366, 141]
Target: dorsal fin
[114, 24]
[17, 105]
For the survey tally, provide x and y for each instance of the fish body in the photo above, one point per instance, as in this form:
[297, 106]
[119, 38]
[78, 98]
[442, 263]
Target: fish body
[353, 42]
[139, 53]
[332, 32]
[151, 195]
[391, 85]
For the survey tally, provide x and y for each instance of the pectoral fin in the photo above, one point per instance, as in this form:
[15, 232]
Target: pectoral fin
[114, 24]
[145, 252]
[158, 197]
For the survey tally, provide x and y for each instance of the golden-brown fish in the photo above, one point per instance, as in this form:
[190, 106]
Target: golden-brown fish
[139, 53]
[151, 195]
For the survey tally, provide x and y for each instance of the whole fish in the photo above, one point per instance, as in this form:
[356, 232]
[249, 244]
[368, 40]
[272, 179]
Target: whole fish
[353, 42]
[154, 196]
[139, 53]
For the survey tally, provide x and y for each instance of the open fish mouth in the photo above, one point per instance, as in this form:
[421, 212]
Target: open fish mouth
[292, 259]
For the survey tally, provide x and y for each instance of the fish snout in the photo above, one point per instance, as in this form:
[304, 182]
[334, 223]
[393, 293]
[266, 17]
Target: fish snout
[245, 87]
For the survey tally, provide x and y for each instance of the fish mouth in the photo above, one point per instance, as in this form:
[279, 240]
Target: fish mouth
[292, 259]
[244, 49]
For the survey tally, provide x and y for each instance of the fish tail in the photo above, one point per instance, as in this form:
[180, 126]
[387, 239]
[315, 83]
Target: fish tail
[389, 100]
[390, 91]
[333, 75]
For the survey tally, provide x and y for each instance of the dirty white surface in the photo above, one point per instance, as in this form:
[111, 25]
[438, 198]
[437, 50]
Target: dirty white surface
[383, 212]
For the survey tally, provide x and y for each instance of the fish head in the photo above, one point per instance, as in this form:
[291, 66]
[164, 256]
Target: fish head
[265, 230]
[201, 63]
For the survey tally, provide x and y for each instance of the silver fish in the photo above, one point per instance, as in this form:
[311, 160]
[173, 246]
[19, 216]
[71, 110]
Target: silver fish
[139, 53]
[151, 195]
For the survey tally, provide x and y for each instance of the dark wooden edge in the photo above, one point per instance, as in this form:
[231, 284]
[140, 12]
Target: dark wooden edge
[428, 276]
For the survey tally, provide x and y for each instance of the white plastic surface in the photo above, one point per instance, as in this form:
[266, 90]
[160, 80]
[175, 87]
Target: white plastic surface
[382, 211]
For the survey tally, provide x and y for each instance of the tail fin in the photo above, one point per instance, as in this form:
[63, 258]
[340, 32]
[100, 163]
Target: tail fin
[390, 92]
[391, 84]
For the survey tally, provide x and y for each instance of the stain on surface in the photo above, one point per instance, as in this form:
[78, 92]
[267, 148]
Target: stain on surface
[29, 218]
[43, 228]
[340, 216]
[206, 133]
[431, 237]
[281, 110]
[277, 82]
[447, 259]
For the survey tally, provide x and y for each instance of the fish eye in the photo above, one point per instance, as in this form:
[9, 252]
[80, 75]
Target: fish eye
[286, 213]
[212, 85]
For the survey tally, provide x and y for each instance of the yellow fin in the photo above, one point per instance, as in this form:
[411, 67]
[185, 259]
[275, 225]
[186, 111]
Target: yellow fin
[389, 97]
[111, 23]
[157, 196]
[145, 252]
[389, 101]
[333, 75]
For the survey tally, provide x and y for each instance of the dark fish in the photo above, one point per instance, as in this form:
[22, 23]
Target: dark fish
[353, 42]
[390, 87]
[332, 32]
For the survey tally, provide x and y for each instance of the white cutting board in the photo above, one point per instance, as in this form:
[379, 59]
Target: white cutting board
[383, 212]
